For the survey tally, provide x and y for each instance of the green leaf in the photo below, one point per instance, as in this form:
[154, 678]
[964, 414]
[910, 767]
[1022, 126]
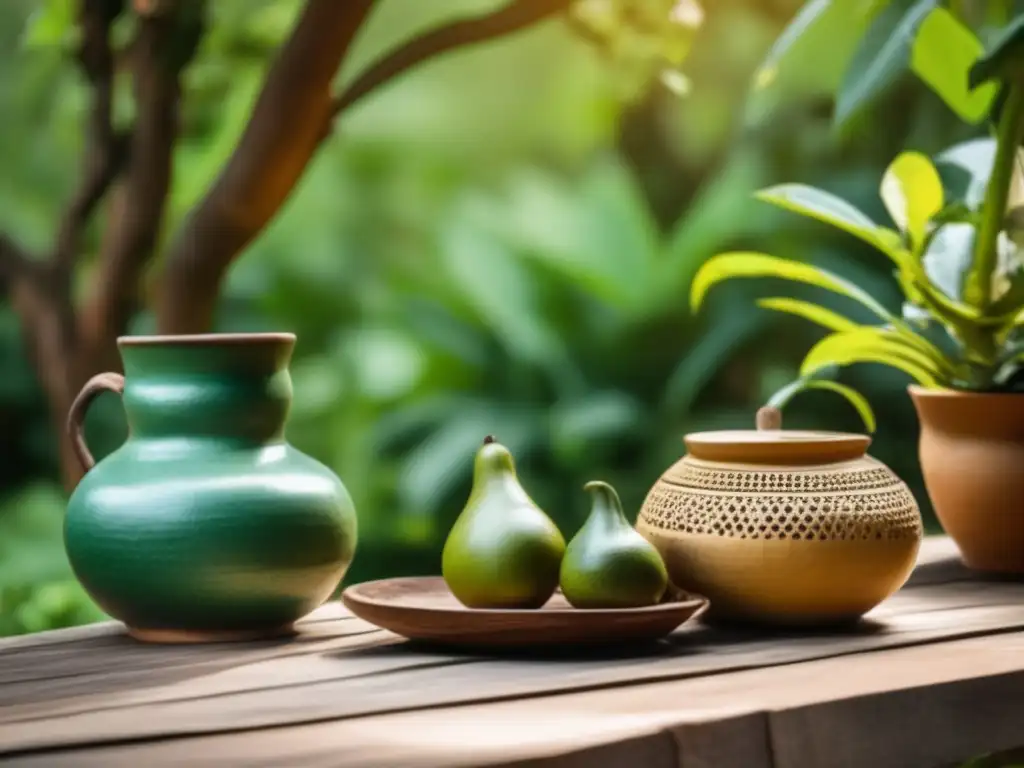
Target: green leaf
[833, 210]
[883, 55]
[920, 289]
[855, 398]
[943, 54]
[432, 469]
[912, 193]
[948, 258]
[494, 283]
[1004, 59]
[1010, 303]
[970, 162]
[599, 234]
[52, 23]
[726, 331]
[811, 54]
[577, 424]
[830, 209]
[956, 212]
[836, 322]
[726, 266]
[709, 225]
[809, 311]
[872, 345]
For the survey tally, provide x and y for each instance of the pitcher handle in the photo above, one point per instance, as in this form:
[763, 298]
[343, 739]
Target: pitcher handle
[101, 382]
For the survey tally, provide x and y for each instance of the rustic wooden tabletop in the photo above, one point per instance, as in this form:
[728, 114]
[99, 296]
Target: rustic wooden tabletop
[933, 677]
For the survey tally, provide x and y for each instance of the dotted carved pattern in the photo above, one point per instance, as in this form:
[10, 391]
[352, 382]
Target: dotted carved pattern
[786, 504]
[691, 475]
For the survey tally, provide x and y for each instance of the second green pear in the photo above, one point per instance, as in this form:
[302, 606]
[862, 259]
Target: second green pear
[608, 564]
[503, 551]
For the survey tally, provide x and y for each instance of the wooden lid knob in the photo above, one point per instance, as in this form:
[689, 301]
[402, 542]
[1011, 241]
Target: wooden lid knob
[769, 418]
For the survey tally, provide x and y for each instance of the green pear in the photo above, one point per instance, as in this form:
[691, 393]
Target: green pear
[503, 551]
[608, 564]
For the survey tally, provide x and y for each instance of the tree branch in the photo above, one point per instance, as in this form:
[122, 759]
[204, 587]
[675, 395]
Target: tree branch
[104, 151]
[164, 45]
[517, 15]
[45, 318]
[279, 140]
[15, 261]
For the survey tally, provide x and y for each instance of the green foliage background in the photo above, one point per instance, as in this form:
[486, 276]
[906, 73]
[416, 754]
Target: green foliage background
[502, 242]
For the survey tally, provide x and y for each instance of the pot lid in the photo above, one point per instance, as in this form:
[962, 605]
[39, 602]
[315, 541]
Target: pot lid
[771, 444]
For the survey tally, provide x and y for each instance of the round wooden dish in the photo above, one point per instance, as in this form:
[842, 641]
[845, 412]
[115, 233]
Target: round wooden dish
[422, 608]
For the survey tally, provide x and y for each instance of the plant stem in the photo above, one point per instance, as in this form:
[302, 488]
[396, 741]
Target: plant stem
[979, 287]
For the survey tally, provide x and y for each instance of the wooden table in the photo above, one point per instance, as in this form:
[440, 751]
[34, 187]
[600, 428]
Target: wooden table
[934, 676]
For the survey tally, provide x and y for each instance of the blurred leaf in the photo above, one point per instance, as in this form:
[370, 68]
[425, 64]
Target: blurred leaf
[973, 159]
[882, 56]
[948, 258]
[836, 211]
[836, 322]
[812, 54]
[37, 587]
[52, 23]
[724, 333]
[955, 213]
[1004, 59]
[31, 544]
[750, 264]
[830, 209]
[717, 216]
[912, 193]
[438, 329]
[317, 386]
[600, 235]
[493, 283]
[620, 228]
[852, 396]
[872, 345]
[944, 52]
[578, 423]
[805, 309]
[445, 457]
[676, 81]
[414, 419]
[387, 363]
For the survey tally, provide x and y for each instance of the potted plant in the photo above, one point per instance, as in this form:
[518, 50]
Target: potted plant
[960, 335]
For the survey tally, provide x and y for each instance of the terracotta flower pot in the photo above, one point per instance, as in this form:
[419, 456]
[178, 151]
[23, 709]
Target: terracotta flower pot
[972, 457]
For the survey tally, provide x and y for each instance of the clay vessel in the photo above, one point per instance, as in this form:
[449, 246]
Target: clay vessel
[205, 524]
[972, 457]
[783, 527]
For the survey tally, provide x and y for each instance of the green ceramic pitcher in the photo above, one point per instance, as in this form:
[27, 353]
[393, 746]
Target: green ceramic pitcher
[205, 524]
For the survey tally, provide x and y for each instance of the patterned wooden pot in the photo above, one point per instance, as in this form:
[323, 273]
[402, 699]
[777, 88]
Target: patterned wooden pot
[783, 527]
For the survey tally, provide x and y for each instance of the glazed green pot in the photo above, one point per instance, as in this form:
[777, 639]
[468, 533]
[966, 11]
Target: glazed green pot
[206, 524]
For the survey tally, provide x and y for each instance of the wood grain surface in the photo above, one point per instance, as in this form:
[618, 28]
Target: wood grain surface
[345, 693]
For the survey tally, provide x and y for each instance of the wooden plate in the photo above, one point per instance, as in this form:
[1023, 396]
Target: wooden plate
[422, 608]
